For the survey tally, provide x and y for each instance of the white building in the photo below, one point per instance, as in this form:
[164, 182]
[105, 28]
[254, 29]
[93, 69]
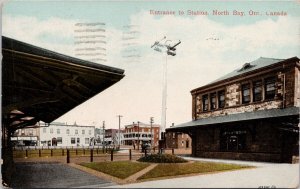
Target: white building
[61, 134]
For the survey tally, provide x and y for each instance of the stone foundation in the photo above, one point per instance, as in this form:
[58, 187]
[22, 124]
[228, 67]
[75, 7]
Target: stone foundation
[265, 157]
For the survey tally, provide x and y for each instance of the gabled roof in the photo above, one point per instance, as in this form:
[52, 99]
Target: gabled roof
[45, 85]
[246, 116]
[248, 67]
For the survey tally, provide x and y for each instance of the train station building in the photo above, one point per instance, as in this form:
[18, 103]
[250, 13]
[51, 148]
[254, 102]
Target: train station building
[250, 114]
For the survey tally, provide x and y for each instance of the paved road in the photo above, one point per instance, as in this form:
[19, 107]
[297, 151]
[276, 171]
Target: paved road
[268, 175]
[54, 175]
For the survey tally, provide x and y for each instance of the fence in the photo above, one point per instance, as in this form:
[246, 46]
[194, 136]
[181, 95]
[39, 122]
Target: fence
[92, 154]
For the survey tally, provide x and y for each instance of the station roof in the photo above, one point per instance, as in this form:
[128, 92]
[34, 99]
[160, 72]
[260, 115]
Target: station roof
[250, 67]
[43, 85]
[246, 116]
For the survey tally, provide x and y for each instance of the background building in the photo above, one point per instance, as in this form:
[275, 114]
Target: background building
[112, 136]
[26, 137]
[251, 113]
[61, 134]
[139, 133]
[178, 140]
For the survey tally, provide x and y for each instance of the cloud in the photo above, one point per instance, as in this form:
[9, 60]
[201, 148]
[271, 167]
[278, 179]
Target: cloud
[209, 50]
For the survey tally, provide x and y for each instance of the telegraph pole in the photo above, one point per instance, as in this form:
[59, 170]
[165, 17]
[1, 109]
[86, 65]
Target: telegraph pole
[138, 135]
[151, 122]
[119, 130]
[103, 131]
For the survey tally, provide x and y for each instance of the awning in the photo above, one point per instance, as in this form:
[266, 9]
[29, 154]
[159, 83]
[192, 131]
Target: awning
[44, 85]
[260, 114]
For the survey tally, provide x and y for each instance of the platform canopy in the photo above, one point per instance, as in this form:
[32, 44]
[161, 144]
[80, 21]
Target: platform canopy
[38, 84]
[289, 117]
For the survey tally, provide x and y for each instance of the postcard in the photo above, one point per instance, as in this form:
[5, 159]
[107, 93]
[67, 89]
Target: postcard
[217, 83]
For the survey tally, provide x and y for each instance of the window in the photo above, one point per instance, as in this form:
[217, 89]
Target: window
[78, 140]
[221, 99]
[72, 140]
[245, 93]
[59, 140]
[257, 91]
[205, 102]
[76, 131]
[51, 130]
[58, 131]
[30, 132]
[87, 140]
[90, 132]
[83, 132]
[68, 131]
[44, 130]
[213, 101]
[182, 143]
[270, 88]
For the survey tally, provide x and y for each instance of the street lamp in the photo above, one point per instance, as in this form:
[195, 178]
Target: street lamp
[168, 49]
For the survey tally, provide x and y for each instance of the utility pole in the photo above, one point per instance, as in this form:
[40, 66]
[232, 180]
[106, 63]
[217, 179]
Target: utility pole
[138, 135]
[103, 131]
[119, 130]
[151, 122]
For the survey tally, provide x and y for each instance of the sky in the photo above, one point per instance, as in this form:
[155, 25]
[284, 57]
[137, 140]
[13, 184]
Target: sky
[211, 46]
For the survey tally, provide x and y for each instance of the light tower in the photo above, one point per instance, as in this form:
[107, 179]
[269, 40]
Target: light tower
[166, 47]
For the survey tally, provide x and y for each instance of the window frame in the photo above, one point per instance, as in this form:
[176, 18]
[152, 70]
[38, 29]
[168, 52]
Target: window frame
[244, 88]
[221, 103]
[213, 101]
[270, 81]
[258, 84]
[205, 102]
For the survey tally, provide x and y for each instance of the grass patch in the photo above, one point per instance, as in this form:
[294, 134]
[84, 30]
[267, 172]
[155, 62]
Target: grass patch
[165, 170]
[162, 158]
[120, 169]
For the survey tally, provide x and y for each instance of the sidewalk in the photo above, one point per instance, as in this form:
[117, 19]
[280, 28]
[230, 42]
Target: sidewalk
[267, 175]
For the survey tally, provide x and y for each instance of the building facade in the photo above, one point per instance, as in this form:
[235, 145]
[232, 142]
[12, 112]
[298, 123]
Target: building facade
[138, 133]
[26, 137]
[61, 134]
[178, 140]
[112, 136]
[251, 113]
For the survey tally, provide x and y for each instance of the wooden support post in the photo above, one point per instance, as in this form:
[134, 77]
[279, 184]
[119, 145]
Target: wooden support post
[76, 152]
[172, 151]
[145, 150]
[130, 156]
[40, 153]
[112, 155]
[83, 151]
[68, 156]
[92, 151]
[51, 152]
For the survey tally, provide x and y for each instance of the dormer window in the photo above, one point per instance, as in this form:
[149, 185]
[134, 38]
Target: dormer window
[246, 66]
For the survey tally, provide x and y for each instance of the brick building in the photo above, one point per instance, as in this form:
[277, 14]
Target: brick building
[178, 140]
[251, 113]
[138, 133]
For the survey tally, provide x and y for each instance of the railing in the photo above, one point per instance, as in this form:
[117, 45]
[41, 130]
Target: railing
[77, 155]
